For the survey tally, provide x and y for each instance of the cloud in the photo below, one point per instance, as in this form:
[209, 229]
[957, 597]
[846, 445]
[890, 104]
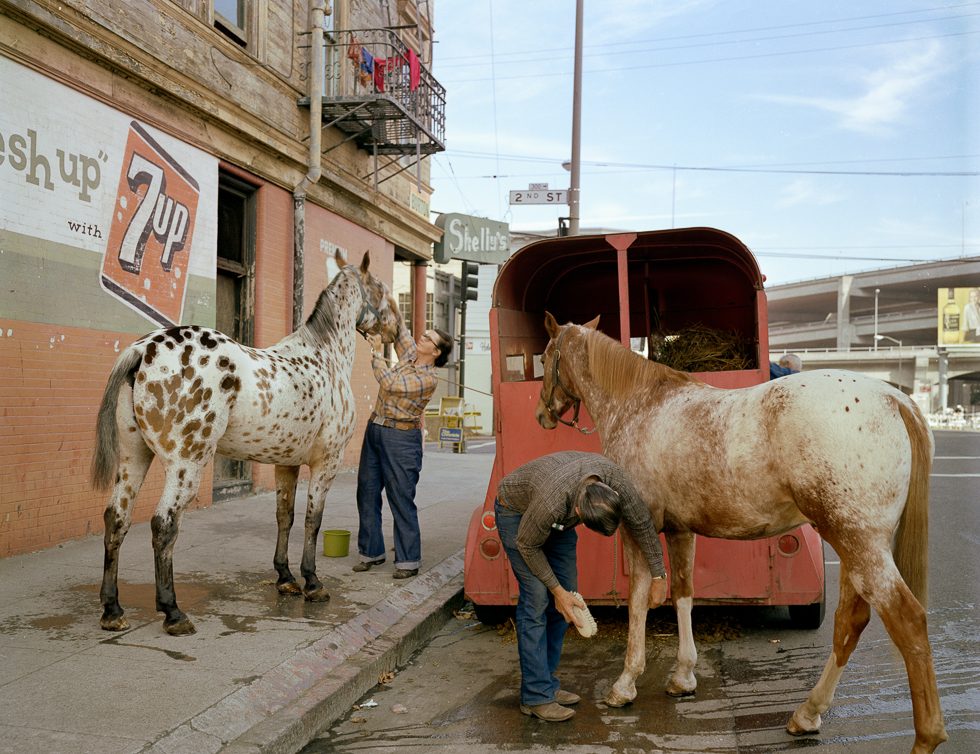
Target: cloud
[886, 93]
[803, 192]
[623, 19]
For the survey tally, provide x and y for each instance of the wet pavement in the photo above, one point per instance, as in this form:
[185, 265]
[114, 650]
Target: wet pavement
[264, 671]
[460, 693]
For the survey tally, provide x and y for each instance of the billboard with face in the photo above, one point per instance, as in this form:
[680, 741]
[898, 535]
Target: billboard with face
[959, 316]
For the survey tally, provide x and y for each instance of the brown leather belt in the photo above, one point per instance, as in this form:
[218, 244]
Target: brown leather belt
[394, 423]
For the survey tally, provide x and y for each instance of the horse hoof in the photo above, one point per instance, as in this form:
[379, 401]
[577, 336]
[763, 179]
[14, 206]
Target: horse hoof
[289, 587]
[799, 727]
[119, 623]
[678, 691]
[615, 699]
[317, 595]
[182, 627]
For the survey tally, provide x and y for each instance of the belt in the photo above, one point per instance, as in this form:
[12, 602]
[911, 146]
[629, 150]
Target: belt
[394, 423]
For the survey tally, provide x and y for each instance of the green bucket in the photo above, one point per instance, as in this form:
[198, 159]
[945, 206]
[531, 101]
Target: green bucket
[336, 543]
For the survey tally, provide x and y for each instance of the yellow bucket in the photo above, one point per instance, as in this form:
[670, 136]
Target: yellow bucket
[336, 543]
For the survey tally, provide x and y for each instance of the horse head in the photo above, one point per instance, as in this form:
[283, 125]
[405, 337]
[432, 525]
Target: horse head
[558, 394]
[378, 314]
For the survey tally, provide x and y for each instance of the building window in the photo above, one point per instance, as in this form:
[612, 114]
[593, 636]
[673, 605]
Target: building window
[231, 19]
[405, 305]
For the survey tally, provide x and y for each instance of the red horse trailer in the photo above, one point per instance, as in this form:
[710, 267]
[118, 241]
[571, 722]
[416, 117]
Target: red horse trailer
[639, 283]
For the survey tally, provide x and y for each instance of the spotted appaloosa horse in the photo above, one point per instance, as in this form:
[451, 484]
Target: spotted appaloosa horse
[185, 393]
[846, 453]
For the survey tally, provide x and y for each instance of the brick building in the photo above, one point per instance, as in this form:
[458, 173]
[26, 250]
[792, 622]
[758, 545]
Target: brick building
[195, 162]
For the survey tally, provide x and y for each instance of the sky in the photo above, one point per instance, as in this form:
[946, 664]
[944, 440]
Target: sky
[830, 137]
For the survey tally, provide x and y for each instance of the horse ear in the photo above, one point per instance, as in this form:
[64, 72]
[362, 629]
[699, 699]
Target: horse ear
[550, 325]
[592, 325]
[366, 261]
[339, 256]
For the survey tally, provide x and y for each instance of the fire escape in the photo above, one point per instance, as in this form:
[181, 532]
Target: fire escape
[379, 94]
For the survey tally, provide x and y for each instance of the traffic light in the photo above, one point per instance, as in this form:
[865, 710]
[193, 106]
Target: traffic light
[471, 281]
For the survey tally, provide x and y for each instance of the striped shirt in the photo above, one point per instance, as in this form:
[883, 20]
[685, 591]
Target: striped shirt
[543, 491]
[405, 387]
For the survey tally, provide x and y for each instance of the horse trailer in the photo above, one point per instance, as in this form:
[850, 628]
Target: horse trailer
[641, 285]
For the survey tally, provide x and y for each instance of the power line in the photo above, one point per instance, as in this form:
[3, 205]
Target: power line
[542, 55]
[750, 30]
[732, 58]
[773, 170]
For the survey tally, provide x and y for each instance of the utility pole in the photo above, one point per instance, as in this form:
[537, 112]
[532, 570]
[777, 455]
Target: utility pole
[573, 190]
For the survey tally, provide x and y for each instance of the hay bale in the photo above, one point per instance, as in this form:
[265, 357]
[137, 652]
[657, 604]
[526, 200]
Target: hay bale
[700, 349]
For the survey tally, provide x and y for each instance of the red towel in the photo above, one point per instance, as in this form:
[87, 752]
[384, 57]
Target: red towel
[414, 70]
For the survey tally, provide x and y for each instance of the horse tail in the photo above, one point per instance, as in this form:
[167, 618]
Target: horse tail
[106, 457]
[912, 538]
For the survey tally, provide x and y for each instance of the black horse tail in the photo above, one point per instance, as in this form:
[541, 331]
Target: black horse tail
[106, 457]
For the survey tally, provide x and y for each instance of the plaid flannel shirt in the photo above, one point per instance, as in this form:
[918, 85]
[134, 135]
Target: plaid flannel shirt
[543, 491]
[405, 387]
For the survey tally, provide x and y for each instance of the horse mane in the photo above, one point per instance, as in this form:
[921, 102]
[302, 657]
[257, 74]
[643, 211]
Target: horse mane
[322, 321]
[617, 369]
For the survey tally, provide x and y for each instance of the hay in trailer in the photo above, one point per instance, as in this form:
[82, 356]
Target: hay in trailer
[700, 349]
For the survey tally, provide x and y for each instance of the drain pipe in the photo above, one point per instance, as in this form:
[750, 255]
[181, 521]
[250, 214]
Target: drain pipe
[314, 170]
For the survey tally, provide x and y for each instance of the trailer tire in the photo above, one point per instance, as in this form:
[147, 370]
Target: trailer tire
[808, 617]
[493, 615]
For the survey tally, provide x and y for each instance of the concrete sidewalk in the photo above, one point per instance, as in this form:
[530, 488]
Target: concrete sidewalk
[263, 672]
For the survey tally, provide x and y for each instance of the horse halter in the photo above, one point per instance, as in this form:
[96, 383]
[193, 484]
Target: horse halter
[366, 306]
[556, 382]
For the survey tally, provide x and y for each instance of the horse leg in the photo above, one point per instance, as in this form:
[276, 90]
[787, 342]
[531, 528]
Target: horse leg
[624, 690]
[180, 487]
[286, 477]
[905, 620]
[680, 550]
[320, 481]
[134, 461]
[850, 619]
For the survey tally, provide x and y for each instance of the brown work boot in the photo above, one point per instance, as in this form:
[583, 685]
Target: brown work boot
[553, 712]
[567, 697]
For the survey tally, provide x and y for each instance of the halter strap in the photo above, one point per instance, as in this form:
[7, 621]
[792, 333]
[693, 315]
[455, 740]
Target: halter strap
[366, 306]
[556, 381]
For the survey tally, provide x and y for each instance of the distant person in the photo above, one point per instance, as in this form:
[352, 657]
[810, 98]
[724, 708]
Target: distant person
[971, 318]
[538, 506]
[391, 454]
[789, 363]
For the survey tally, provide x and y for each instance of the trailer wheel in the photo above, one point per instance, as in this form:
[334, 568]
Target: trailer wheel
[808, 617]
[493, 615]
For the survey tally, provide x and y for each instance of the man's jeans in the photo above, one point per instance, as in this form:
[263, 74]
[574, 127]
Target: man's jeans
[391, 459]
[540, 627]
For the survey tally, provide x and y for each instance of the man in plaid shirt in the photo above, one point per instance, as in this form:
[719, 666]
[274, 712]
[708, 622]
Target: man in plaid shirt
[391, 454]
[537, 508]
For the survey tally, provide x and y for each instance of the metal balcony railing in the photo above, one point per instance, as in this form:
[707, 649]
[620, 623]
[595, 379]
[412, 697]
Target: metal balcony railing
[377, 91]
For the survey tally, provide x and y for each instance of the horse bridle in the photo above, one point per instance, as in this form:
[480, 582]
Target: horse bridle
[366, 306]
[556, 382]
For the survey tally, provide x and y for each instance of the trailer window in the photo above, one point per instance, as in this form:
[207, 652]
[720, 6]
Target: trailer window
[515, 368]
[538, 362]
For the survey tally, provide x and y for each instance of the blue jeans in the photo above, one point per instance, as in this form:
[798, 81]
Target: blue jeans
[391, 459]
[540, 627]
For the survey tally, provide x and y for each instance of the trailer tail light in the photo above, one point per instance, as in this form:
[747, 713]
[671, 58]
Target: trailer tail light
[490, 548]
[788, 545]
[489, 520]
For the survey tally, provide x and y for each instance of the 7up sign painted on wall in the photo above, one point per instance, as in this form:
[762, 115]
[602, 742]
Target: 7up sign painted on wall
[146, 257]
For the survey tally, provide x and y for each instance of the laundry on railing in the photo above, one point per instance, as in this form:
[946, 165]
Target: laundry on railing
[392, 64]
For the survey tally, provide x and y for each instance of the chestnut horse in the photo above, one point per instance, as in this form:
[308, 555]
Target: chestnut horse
[846, 453]
[184, 393]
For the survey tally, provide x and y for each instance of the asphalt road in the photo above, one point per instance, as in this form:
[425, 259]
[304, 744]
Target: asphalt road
[459, 694]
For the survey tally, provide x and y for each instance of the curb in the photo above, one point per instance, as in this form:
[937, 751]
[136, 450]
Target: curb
[283, 711]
